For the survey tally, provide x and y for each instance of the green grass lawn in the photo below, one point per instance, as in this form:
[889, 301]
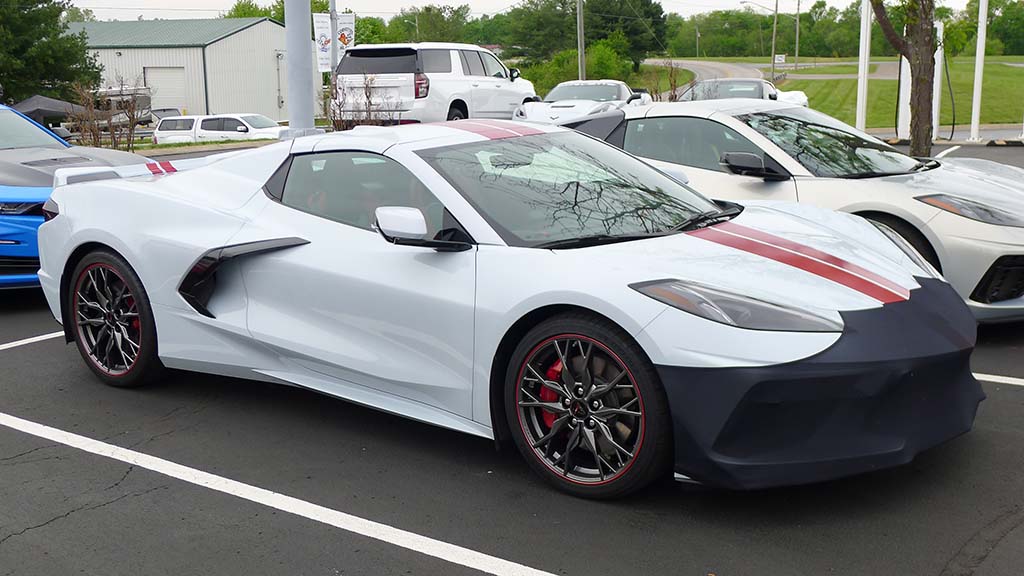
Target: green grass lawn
[1001, 101]
[837, 69]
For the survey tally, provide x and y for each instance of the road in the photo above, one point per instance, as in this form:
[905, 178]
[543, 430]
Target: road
[957, 510]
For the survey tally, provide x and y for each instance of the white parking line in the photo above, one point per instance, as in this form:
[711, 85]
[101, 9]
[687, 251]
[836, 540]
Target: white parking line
[370, 529]
[949, 150]
[1000, 379]
[31, 340]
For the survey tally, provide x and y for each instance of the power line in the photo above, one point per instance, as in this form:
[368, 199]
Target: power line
[646, 25]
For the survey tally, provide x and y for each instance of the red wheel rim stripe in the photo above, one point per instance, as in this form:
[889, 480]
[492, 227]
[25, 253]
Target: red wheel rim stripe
[801, 261]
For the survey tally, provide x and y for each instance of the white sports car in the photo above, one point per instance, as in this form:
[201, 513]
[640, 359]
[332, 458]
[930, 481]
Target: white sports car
[964, 215]
[527, 284]
[725, 88]
[577, 98]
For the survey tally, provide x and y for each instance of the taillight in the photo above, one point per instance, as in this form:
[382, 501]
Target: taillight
[422, 85]
[50, 209]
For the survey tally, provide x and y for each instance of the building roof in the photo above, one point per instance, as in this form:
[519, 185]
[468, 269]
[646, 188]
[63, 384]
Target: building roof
[162, 33]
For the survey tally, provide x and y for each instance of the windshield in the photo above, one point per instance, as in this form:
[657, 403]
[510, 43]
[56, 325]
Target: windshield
[598, 92]
[378, 61]
[546, 188]
[16, 132]
[717, 90]
[258, 121]
[828, 147]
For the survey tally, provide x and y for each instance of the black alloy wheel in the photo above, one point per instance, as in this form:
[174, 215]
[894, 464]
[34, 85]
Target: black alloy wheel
[586, 408]
[114, 327]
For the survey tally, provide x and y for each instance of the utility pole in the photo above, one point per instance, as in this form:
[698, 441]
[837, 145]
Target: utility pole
[979, 69]
[580, 49]
[696, 27]
[334, 46]
[298, 33]
[775, 28]
[796, 57]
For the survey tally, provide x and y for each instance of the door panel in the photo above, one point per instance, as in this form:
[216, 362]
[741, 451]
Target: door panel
[726, 186]
[486, 99]
[353, 306]
[506, 96]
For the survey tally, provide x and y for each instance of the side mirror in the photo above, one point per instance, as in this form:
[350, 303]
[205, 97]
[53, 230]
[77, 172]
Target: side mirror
[773, 95]
[534, 99]
[633, 98]
[514, 73]
[241, 129]
[749, 164]
[406, 226]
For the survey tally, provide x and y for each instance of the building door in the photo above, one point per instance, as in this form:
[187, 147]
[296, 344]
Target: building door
[167, 85]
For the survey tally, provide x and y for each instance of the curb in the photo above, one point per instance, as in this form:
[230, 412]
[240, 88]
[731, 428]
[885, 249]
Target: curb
[1019, 142]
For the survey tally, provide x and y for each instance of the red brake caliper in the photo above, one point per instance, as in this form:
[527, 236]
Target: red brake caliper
[549, 395]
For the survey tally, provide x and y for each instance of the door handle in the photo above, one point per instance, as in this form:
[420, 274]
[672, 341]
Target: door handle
[476, 85]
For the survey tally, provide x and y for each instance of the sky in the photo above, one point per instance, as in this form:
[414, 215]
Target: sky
[150, 9]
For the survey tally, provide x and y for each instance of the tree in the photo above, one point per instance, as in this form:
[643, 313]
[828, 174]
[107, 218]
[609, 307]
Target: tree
[247, 9]
[1009, 27]
[316, 6]
[370, 30]
[918, 47]
[37, 56]
[642, 21]
[76, 14]
[542, 27]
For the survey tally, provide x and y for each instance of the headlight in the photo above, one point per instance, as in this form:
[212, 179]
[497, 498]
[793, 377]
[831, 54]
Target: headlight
[907, 249]
[734, 309]
[973, 210]
[16, 208]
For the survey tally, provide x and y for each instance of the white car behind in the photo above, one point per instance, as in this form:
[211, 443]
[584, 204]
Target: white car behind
[724, 88]
[577, 98]
[214, 128]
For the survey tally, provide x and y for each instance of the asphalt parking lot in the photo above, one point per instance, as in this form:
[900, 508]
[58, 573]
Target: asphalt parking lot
[956, 510]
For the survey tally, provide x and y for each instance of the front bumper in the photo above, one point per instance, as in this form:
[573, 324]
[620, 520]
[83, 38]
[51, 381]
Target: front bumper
[19, 252]
[897, 382]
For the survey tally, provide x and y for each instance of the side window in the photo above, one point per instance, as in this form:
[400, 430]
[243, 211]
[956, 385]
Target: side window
[232, 125]
[348, 187]
[212, 124]
[695, 142]
[436, 61]
[492, 66]
[471, 62]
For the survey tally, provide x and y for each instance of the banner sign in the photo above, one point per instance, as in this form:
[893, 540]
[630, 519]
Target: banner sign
[322, 38]
[346, 32]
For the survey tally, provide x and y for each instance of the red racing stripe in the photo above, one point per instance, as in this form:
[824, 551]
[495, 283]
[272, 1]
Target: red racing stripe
[489, 132]
[167, 167]
[796, 260]
[154, 168]
[814, 253]
[517, 128]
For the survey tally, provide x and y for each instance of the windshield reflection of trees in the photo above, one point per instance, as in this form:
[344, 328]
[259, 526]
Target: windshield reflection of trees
[591, 195]
[826, 150]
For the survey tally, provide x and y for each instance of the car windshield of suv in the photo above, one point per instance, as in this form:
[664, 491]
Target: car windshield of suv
[548, 190]
[16, 132]
[257, 121]
[718, 90]
[828, 147]
[597, 92]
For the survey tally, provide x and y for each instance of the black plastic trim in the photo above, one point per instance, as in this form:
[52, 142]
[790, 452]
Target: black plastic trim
[198, 285]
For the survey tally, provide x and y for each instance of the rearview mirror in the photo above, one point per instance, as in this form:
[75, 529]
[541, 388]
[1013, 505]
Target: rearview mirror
[749, 164]
[406, 226]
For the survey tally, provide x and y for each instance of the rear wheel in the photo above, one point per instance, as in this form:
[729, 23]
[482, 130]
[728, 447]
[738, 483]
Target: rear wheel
[586, 408]
[456, 113]
[113, 321]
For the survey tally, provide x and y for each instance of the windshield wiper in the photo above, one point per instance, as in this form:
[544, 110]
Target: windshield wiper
[926, 164]
[594, 240]
[705, 219]
[859, 175]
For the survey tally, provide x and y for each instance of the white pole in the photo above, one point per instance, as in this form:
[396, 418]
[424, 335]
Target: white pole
[775, 27]
[940, 55]
[863, 64]
[979, 69]
[298, 33]
[796, 57]
[580, 49]
[903, 100]
[334, 36]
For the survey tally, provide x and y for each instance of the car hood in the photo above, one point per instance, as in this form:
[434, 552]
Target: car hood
[802, 256]
[565, 109]
[34, 167]
[983, 181]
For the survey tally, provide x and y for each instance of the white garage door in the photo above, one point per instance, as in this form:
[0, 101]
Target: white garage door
[167, 85]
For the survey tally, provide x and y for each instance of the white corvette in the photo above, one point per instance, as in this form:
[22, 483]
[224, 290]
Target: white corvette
[527, 284]
[964, 215]
[578, 98]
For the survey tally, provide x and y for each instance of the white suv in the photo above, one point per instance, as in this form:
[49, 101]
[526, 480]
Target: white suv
[426, 82]
[182, 129]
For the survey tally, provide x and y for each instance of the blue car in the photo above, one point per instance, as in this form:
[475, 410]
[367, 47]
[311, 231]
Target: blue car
[29, 155]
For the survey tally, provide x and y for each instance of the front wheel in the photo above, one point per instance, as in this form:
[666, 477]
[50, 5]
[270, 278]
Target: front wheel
[586, 408]
[113, 321]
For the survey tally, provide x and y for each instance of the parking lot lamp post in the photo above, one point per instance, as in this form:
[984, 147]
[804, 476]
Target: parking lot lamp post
[580, 49]
[775, 29]
[796, 55]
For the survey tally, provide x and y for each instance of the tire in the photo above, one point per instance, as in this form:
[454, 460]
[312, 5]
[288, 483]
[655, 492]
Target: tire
[623, 442]
[105, 294]
[455, 113]
[911, 235]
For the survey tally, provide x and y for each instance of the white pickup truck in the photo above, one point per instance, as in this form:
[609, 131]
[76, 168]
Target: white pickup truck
[215, 128]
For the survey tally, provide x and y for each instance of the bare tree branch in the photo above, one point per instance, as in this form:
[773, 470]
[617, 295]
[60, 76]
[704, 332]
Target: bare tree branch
[895, 38]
